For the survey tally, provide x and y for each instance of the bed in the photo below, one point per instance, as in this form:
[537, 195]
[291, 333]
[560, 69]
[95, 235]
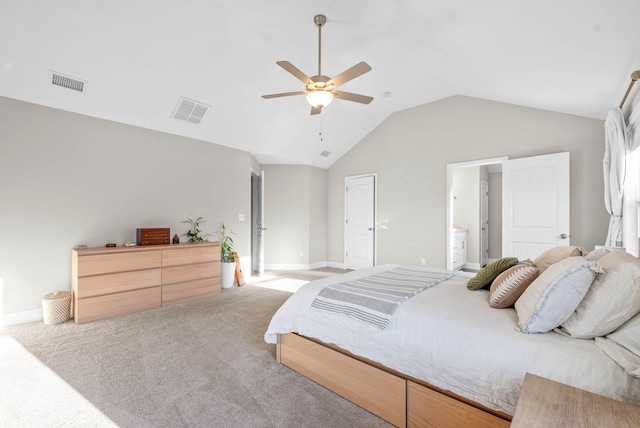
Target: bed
[445, 358]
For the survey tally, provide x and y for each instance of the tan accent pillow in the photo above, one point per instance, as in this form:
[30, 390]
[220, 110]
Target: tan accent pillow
[613, 298]
[488, 273]
[554, 295]
[510, 285]
[554, 255]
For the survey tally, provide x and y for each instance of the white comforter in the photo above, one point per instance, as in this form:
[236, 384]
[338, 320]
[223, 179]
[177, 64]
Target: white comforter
[451, 337]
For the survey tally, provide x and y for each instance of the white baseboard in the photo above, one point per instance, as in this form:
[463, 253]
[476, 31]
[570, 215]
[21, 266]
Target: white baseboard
[291, 266]
[15, 318]
[474, 266]
[22, 317]
[336, 265]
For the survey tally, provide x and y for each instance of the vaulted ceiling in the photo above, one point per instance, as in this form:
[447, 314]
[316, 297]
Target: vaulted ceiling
[139, 57]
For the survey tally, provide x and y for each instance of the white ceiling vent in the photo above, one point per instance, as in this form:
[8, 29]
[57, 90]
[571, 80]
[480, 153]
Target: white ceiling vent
[190, 111]
[66, 81]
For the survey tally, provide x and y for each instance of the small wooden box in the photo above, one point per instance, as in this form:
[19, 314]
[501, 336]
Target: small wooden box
[153, 236]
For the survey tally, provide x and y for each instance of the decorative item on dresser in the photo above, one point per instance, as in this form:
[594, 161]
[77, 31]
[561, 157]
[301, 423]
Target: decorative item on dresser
[195, 233]
[152, 236]
[107, 282]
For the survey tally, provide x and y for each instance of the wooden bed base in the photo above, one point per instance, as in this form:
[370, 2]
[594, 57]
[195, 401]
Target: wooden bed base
[391, 395]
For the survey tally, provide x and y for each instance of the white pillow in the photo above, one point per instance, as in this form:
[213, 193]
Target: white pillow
[595, 255]
[623, 346]
[555, 294]
[613, 298]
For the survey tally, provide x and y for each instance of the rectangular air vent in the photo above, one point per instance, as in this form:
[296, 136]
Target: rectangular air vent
[325, 153]
[66, 81]
[190, 111]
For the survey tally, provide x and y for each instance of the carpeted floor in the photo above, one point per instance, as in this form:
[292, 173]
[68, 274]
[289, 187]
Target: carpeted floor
[202, 363]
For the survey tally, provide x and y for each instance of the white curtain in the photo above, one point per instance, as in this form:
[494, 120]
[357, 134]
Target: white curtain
[633, 130]
[614, 166]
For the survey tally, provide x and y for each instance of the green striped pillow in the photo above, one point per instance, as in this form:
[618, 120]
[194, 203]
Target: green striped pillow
[488, 273]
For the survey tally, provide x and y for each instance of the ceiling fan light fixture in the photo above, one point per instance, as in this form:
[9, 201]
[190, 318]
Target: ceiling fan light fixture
[319, 98]
[319, 88]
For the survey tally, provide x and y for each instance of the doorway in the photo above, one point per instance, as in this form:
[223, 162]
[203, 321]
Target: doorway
[475, 234]
[534, 203]
[257, 223]
[360, 221]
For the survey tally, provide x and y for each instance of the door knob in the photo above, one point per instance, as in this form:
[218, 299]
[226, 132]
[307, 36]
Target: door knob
[370, 229]
[563, 236]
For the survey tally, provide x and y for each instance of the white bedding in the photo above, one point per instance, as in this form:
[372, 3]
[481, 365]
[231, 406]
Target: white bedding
[450, 337]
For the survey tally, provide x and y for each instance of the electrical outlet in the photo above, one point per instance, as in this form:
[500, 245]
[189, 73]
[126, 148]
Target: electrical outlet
[241, 217]
[423, 261]
[301, 253]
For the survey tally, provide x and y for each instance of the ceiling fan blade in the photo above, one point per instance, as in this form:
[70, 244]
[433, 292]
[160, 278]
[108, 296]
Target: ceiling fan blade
[296, 72]
[357, 70]
[316, 110]
[363, 99]
[284, 94]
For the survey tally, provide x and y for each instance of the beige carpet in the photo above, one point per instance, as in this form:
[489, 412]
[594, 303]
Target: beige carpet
[197, 364]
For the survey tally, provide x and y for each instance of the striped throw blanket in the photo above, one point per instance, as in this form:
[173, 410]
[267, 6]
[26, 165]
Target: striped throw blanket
[374, 299]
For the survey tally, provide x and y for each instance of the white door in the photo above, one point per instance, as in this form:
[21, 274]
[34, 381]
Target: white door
[484, 223]
[535, 206]
[257, 223]
[360, 222]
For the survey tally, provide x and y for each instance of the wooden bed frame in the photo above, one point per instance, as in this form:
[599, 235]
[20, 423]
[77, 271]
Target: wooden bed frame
[397, 398]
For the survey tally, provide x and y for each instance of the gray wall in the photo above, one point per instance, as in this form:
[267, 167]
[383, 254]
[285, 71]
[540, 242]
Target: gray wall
[318, 217]
[295, 216]
[69, 179]
[410, 151]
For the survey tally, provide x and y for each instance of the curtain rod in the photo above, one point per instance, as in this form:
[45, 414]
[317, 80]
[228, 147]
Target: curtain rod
[634, 76]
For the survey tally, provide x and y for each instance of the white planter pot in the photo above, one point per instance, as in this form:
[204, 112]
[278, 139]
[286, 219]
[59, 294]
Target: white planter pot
[227, 275]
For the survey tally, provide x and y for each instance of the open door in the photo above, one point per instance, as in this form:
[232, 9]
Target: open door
[257, 223]
[484, 223]
[535, 205]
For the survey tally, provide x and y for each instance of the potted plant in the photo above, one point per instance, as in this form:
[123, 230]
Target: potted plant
[195, 233]
[228, 265]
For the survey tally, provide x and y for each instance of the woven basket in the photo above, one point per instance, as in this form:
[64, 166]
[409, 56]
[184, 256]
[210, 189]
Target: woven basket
[56, 307]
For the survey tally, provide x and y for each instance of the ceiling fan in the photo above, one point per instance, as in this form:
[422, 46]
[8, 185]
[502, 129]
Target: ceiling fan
[321, 89]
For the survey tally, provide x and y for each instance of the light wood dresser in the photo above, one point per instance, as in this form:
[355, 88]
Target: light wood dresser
[544, 403]
[108, 282]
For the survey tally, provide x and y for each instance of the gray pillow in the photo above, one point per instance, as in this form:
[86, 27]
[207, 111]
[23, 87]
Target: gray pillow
[613, 298]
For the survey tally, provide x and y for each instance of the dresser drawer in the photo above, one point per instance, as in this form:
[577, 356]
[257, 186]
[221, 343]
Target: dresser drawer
[171, 275]
[119, 262]
[189, 255]
[175, 293]
[91, 286]
[111, 305]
